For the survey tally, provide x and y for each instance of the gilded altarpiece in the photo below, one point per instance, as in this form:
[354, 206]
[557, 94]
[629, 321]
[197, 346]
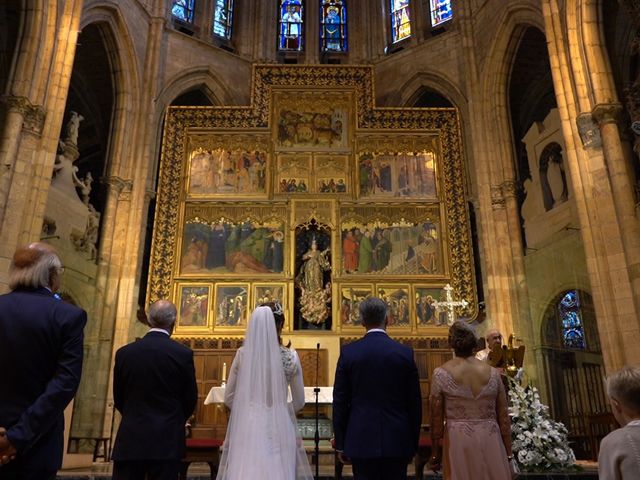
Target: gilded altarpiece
[314, 197]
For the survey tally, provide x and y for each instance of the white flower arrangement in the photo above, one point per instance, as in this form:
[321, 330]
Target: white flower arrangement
[539, 443]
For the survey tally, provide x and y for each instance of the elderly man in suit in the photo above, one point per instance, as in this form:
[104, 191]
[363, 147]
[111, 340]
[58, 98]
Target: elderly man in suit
[377, 407]
[619, 457]
[154, 388]
[41, 356]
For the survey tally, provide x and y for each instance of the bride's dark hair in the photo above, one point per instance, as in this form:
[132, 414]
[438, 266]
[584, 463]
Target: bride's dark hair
[278, 316]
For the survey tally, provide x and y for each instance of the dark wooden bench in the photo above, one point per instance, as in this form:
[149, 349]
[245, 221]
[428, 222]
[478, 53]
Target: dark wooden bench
[423, 455]
[101, 446]
[419, 461]
[205, 450]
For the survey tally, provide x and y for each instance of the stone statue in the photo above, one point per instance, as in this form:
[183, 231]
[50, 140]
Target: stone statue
[88, 240]
[91, 233]
[73, 125]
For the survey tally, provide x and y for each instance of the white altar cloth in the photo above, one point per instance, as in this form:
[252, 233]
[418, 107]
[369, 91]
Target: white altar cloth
[216, 395]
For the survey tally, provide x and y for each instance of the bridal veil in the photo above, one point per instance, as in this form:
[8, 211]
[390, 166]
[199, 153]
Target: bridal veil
[262, 439]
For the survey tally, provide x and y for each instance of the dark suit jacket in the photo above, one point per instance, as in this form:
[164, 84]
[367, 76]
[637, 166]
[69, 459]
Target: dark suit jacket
[377, 408]
[40, 365]
[154, 388]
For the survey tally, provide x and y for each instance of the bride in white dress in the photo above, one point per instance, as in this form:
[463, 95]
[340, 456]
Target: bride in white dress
[262, 438]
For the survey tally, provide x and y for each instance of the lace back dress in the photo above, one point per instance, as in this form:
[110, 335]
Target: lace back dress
[472, 427]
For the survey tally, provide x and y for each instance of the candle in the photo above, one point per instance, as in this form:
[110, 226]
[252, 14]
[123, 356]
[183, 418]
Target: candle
[224, 372]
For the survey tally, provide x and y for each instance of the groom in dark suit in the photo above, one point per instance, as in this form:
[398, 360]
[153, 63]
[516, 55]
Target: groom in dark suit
[377, 407]
[154, 388]
[40, 364]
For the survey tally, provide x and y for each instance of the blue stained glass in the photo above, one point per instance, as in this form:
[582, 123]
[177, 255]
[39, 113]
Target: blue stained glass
[333, 33]
[291, 34]
[440, 12]
[400, 20]
[223, 18]
[183, 10]
[570, 315]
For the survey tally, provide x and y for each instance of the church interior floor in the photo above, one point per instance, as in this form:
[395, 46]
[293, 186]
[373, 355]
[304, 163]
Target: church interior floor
[200, 471]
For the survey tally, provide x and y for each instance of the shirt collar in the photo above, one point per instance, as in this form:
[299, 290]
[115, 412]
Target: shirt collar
[159, 330]
[376, 330]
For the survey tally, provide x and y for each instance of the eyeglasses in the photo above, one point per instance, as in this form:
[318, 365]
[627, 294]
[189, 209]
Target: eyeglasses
[60, 270]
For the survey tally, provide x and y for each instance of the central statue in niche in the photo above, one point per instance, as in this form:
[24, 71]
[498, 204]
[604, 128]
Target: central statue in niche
[313, 276]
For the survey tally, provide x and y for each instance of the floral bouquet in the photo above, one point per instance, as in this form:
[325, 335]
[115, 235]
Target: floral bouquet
[539, 443]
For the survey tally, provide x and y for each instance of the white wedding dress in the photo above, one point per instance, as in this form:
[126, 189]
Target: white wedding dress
[262, 439]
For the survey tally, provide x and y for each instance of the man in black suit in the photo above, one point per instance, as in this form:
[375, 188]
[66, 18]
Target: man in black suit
[154, 388]
[377, 407]
[41, 362]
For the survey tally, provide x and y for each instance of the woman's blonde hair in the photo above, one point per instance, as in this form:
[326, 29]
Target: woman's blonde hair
[624, 386]
[33, 266]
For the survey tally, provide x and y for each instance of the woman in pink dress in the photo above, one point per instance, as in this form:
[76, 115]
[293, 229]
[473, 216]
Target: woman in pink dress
[469, 413]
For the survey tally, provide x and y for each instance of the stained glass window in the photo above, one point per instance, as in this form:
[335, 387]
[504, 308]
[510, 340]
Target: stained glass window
[440, 12]
[222, 18]
[291, 34]
[183, 10]
[571, 318]
[333, 16]
[400, 20]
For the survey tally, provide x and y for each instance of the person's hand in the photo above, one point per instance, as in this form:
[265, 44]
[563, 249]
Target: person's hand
[7, 451]
[344, 459]
[435, 463]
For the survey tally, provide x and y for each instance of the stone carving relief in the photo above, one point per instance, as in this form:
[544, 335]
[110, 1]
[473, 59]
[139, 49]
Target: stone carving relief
[553, 179]
[69, 208]
[547, 208]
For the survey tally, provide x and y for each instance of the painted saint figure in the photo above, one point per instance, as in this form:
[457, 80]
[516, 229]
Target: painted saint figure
[350, 252]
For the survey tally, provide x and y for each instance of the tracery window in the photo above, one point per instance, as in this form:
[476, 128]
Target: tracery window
[440, 12]
[400, 20]
[291, 32]
[223, 18]
[183, 10]
[570, 315]
[333, 31]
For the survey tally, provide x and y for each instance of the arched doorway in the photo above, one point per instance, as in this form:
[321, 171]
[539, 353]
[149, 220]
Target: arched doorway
[574, 370]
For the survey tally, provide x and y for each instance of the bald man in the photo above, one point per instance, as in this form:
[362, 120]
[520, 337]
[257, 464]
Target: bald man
[41, 357]
[493, 338]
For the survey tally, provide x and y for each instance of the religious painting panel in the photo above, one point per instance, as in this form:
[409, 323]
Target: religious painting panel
[222, 172]
[332, 174]
[312, 121]
[230, 307]
[397, 176]
[312, 308]
[271, 292]
[397, 299]
[193, 300]
[424, 299]
[350, 298]
[391, 241]
[233, 240]
[293, 174]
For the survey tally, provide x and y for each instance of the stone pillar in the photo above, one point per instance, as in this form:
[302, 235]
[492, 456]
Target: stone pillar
[34, 116]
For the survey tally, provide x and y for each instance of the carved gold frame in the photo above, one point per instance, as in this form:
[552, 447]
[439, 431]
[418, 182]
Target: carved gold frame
[399, 286]
[190, 330]
[338, 305]
[370, 125]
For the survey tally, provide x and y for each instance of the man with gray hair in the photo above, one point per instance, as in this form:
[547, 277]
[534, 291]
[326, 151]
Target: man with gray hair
[377, 406]
[41, 357]
[619, 457]
[154, 388]
[493, 339]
